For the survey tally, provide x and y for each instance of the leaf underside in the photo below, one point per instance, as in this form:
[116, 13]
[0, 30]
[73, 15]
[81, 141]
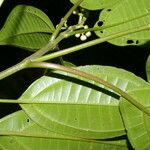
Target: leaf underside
[26, 27]
[136, 122]
[126, 15]
[28, 137]
[93, 112]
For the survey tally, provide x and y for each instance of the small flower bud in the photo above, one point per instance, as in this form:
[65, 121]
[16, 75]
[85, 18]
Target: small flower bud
[83, 37]
[74, 12]
[86, 27]
[77, 35]
[88, 34]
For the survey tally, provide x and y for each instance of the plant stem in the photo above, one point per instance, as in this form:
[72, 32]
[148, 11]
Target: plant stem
[13, 69]
[93, 78]
[23, 64]
[51, 45]
[34, 57]
[90, 43]
[58, 29]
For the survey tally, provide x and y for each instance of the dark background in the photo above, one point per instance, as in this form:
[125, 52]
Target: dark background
[130, 58]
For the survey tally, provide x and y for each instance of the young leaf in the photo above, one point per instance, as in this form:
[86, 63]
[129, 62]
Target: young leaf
[96, 4]
[31, 136]
[136, 122]
[26, 27]
[126, 15]
[93, 112]
[148, 68]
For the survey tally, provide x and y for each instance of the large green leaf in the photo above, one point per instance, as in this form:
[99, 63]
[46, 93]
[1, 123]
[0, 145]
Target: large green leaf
[148, 68]
[26, 27]
[95, 113]
[96, 4]
[131, 15]
[33, 137]
[136, 122]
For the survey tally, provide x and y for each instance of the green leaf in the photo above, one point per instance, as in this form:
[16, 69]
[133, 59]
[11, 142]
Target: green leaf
[89, 110]
[25, 134]
[126, 15]
[96, 4]
[26, 27]
[148, 68]
[136, 122]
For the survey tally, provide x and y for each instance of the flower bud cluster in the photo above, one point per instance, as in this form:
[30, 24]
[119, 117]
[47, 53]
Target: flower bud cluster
[83, 36]
[81, 22]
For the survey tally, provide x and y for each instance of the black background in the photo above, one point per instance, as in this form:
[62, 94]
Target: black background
[130, 58]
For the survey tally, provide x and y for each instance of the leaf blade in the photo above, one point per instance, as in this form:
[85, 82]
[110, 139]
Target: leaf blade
[128, 15]
[136, 122]
[20, 123]
[98, 107]
[26, 27]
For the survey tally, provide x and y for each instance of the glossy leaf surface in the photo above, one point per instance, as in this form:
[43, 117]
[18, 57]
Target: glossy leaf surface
[126, 15]
[93, 112]
[136, 122]
[97, 4]
[33, 137]
[26, 27]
